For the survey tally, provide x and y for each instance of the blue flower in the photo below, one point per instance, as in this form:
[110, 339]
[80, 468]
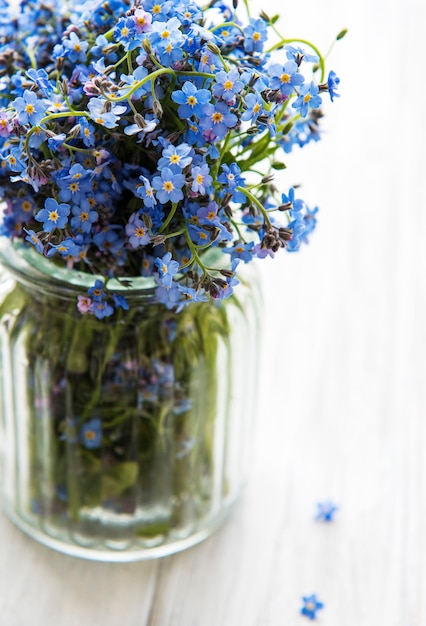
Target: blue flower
[30, 109]
[285, 78]
[83, 217]
[146, 192]
[325, 512]
[104, 113]
[190, 100]
[227, 85]
[175, 157]
[75, 49]
[67, 248]
[310, 606]
[218, 119]
[101, 309]
[242, 251]
[97, 291]
[124, 31]
[120, 302]
[53, 215]
[299, 55]
[91, 433]
[167, 268]
[333, 82]
[255, 35]
[32, 237]
[308, 98]
[165, 33]
[289, 201]
[169, 186]
[254, 107]
[137, 232]
[201, 179]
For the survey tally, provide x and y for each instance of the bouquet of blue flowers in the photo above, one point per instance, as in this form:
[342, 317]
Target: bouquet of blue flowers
[138, 145]
[134, 136]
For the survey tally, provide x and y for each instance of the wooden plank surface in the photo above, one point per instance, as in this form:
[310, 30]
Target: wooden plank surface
[342, 411]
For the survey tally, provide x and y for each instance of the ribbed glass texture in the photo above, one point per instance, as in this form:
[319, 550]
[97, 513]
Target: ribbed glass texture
[126, 438]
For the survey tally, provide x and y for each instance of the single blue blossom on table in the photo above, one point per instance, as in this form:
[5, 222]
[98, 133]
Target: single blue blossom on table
[190, 100]
[310, 606]
[91, 433]
[167, 268]
[325, 511]
[53, 215]
[308, 98]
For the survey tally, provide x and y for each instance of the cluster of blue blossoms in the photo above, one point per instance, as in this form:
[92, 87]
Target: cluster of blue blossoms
[136, 136]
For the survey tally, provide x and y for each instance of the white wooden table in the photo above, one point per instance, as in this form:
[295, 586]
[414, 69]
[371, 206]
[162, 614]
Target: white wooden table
[343, 385]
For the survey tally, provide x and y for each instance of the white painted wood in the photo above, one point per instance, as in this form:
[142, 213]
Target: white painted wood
[343, 400]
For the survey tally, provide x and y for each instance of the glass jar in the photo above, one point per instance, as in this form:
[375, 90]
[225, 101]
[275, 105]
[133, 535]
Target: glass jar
[125, 438]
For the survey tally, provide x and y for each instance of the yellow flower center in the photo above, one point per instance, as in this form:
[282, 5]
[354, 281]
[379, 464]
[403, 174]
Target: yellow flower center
[175, 158]
[192, 100]
[200, 179]
[84, 216]
[156, 9]
[228, 85]
[217, 117]
[140, 232]
[256, 36]
[307, 97]
[285, 78]
[168, 186]
[165, 34]
[29, 109]
[74, 187]
[53, 216]
[124, 31]
[256, 108]
[26, 206]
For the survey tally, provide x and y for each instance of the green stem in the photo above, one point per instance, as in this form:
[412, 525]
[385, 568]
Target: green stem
[169, 217]
[258, 204]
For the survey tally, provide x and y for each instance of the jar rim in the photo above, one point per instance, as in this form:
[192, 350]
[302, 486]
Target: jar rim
[30, 268]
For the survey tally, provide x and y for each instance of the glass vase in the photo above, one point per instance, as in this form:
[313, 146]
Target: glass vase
[126, 438]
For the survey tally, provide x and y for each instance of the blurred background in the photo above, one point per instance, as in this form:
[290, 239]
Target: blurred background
[342, 403]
